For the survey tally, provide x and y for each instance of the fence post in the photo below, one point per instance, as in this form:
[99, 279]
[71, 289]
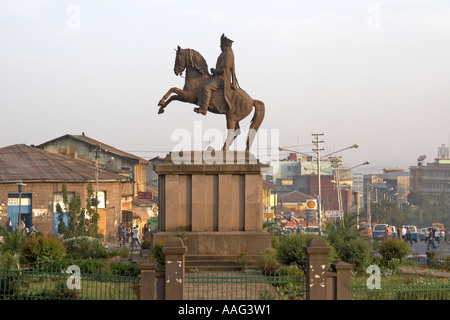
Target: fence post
[147, 290]
[316, 269]
[343, 280]
[174, 252]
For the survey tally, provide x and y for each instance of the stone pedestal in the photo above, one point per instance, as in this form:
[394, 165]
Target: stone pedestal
[215, 199]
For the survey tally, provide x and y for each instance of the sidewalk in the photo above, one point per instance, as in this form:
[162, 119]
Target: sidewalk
[433, 273]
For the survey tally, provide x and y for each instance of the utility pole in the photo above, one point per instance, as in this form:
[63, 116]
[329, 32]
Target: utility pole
[336, 162]
[319, 197]
[96, 179]
[369, 200]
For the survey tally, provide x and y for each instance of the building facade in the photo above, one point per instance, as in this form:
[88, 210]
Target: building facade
[31, 181]
[432, 179]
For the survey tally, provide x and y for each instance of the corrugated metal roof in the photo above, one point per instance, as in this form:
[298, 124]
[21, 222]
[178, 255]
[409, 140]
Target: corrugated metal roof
[295, 196]
[102, 145]
[22, 162]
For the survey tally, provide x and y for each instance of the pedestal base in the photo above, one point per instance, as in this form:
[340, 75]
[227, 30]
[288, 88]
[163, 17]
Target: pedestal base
[220, 243]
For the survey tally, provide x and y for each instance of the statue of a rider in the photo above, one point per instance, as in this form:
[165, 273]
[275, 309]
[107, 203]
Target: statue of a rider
[224, 77]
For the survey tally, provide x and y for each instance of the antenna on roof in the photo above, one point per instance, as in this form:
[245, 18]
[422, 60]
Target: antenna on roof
[420, 160]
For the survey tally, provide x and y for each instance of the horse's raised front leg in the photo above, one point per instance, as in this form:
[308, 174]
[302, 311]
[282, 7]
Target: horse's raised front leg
[181, 95]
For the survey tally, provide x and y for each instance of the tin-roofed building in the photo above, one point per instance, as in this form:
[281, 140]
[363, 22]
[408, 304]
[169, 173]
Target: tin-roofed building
[43, 175]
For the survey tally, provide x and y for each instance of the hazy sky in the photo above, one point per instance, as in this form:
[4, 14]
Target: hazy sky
[376, 73]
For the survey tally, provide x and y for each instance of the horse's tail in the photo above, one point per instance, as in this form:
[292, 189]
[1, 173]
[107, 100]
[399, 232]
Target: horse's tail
[256, 121]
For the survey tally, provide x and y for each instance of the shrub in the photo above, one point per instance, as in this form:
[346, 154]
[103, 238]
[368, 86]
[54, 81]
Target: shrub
[85, 248]
[39, 248]
[159, 256]
[93, 266]
[355, 251]
[290, 251]
[146, 244]
[268, 261]
[391, 249]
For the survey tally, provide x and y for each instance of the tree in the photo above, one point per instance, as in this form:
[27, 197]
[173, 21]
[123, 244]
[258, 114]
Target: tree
[345, 236]
[389, 212]
[82, 222]
[10, 248]
[417, 198]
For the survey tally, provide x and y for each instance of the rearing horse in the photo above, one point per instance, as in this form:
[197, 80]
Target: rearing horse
[197, 76]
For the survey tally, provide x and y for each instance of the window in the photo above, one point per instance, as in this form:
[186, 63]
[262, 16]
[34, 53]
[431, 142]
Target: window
[58, 199]
[102, 199]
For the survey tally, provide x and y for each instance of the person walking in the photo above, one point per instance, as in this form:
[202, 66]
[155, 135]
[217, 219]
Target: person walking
[123, 233]
[431, 240]
[9, 225]
[135, 238]
[409, 235]
[119, 234]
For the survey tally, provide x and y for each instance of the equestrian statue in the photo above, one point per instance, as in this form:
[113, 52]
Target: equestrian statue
[217, 92]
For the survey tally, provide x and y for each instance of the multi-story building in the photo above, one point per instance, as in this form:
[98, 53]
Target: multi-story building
[432, 179]
[299, 173]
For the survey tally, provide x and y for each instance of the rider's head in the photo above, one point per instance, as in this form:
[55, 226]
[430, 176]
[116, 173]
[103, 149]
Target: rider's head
[225, 42]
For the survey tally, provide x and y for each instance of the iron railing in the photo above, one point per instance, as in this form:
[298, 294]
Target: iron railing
[249, 285]
[54, 284]
[405, 287]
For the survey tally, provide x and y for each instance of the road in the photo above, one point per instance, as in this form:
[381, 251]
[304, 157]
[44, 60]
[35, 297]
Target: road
[443, 248]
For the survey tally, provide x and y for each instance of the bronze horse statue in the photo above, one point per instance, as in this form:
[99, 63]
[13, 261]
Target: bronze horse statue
[197, 76]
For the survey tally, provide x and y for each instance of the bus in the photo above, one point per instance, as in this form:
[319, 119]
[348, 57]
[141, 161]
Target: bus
[439, 226]
[366, 231]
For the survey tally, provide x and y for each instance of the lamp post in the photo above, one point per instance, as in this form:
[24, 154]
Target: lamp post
[357, 193]
[20, 185]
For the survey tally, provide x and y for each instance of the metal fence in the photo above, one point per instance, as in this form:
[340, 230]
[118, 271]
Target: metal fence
[250, 285]
[57, 285]
[253, 285]
[404, 287]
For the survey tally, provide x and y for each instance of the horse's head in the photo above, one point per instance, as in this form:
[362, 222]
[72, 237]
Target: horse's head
[180, 62]
[188, 58]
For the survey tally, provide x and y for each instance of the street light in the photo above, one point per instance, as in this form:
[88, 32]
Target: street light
[353, 146]
[356, 145]
[20, 185]
[362, 164]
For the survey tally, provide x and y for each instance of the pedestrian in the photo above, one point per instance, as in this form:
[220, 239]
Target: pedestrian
[9, 225]
[135, 238]
[409, 235]
[404, 233]
[123, 234]
[431, 240]
[388, 232]
[145, 230]
[21, 224]
[119, 234]
[128, 233]
[33, 230]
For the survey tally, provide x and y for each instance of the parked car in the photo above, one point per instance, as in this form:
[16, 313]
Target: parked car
[380, 231]
[423, 234]
[312, 229]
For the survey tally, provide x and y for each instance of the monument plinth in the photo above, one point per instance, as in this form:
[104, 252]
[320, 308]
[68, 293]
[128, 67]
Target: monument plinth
[215, 199]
